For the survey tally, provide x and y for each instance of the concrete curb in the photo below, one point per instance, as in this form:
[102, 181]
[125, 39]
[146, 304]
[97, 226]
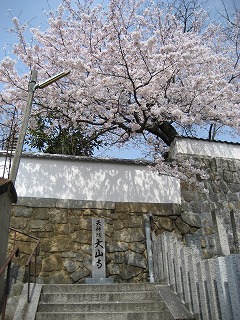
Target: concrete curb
[174, 305]
[25, 310]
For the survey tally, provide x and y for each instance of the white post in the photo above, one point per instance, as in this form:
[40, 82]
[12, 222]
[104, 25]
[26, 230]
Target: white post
[149, 249]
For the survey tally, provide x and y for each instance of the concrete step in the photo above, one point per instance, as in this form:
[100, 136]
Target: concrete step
[123, 301]
[50, 305]
[150, 315]
[85, 288]
[99, 296]
[101, 307]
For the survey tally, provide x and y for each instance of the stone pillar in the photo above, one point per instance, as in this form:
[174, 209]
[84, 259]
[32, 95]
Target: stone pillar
[223, 289]
[221, 234]
[98, 253]
[233, 276]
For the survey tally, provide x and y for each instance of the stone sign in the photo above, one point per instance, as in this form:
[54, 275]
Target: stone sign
[98, 249]
[98, 253]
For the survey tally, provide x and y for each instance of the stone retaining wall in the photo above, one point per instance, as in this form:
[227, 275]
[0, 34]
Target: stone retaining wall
[64, 226]
[65, 255]
[216, 207]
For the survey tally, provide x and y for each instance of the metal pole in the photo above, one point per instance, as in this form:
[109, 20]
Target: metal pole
[23, 129]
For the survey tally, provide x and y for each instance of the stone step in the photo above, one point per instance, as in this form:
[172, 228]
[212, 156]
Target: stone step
[99, 296]
[101, 307]
[50, 305]
[85, 288]
[147, 315]
[123, 301]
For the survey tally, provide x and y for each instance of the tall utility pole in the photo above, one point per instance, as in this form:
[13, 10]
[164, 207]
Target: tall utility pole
[23, 130]
[31, 89]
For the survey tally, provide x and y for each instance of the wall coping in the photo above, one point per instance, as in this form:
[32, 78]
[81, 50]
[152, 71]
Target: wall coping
[141, 207]
[42, 155]
[64, 203]
[180, 145]
[207, 148]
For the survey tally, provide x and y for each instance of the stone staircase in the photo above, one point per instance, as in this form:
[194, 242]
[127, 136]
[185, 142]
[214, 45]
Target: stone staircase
[101, 302]
[122, 301]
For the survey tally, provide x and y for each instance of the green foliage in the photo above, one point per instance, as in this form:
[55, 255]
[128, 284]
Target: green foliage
[51, 137]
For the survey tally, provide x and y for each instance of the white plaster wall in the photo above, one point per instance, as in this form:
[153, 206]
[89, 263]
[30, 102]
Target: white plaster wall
[99, 181]
[205, 148]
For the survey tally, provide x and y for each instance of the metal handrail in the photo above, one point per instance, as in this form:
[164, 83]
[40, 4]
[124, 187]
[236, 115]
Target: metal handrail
[29, 261]
[28, 264]
[7, 264]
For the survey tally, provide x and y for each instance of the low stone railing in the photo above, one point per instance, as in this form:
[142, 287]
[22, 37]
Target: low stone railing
[210, 288]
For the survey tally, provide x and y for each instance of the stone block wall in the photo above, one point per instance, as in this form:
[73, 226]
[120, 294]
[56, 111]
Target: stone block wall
[210, 213]
[215, 208]
[65, 232]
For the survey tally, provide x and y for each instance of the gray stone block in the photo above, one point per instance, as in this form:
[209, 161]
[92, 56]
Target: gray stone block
[170, 260]
[99, 280]
[164, 257]
[211, 289]
[136, 260]
[192, 219]
[162, 275]
[128, 272]
[71, 266]
[203, 296]
[178, 269]
[25, 310]
[223, 288]
[175, 306]
[37, 202]
[193, 259]
[233, 277]
[79, 274]
[184, 276]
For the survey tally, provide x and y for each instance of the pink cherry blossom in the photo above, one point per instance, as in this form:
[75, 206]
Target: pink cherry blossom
[134, 70]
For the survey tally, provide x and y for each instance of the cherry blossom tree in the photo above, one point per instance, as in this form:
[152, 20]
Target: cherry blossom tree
[137, 70]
